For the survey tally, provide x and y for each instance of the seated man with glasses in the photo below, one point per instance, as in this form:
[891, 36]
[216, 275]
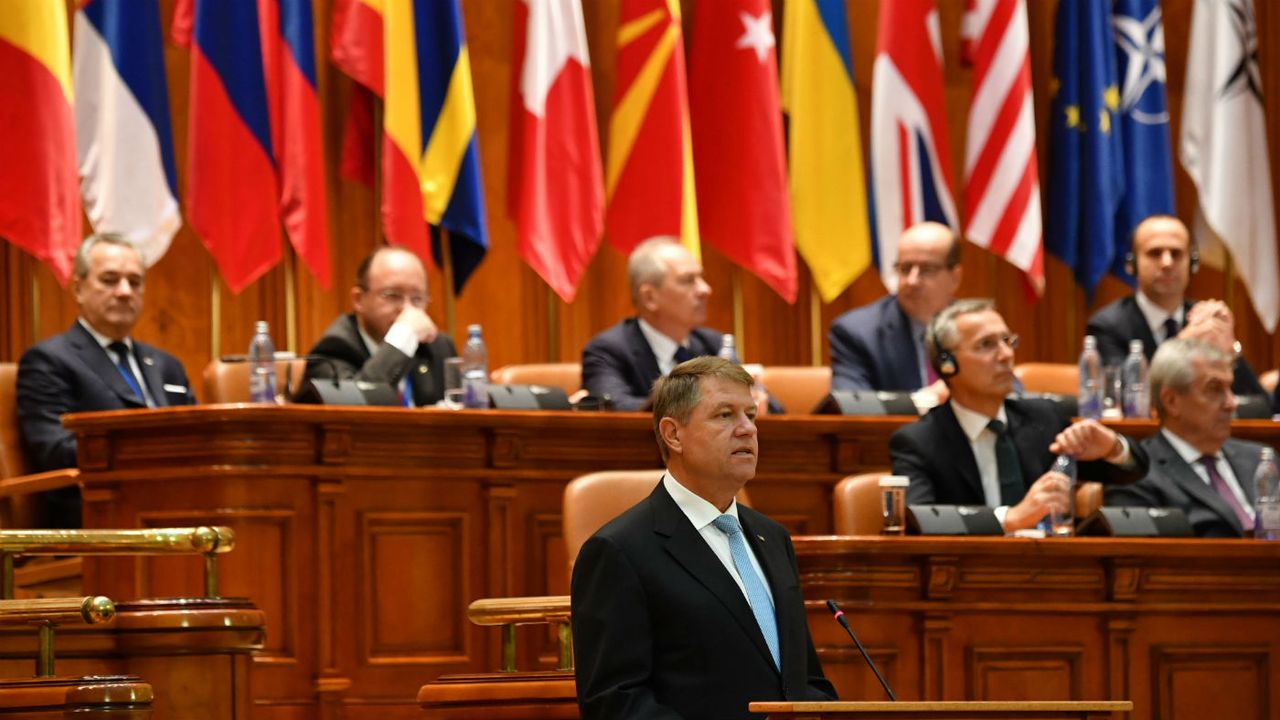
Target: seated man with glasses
[880, 346]
[388, 338]
[983, 447]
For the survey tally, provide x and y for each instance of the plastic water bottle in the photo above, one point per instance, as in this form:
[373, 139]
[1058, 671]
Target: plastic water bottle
[1090, 397]
[1062, 524]
[262, 365]
[1133, 378]
[1266, 481]
[475, 370]
[728, 348]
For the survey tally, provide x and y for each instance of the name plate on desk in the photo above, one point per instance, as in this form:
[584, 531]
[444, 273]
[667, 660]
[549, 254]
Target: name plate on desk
[952, 520]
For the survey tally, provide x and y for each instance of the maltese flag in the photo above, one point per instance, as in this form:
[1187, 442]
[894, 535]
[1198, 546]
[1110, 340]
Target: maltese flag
[557, 192]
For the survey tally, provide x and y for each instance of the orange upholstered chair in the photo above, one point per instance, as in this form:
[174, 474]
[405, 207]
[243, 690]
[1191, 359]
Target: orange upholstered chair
[228, 382]
[566, 376]
[1056, 378]
[856, 504]
[592, 500]
[16, 484]
[798, 387]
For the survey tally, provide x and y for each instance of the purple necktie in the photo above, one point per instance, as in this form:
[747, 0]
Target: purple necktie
[1220, 485]
[1171, 328]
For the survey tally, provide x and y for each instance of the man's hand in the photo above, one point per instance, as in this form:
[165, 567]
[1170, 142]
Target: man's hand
[1211, 321]
[418, 320]
[1088, 440]
[1050, 493]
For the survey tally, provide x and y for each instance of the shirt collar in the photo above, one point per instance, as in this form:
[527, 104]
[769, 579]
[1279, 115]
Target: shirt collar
[699, 511]
[1156, 315]
[973, 422]
[664, 348]
[369, 343]
[103, 340]
[1189, 454]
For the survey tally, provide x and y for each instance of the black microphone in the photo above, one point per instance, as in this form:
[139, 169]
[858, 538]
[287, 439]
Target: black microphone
[839, 616]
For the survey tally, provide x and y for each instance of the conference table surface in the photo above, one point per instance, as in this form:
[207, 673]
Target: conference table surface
[363, 533]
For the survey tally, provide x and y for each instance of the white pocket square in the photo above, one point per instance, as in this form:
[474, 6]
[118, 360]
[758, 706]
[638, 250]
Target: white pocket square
[180, 389]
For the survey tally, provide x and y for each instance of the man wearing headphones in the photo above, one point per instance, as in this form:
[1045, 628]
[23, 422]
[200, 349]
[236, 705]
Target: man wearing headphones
[982, 447]
[1163, 260]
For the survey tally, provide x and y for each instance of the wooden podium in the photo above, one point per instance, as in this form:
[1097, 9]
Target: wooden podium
[1066, 710]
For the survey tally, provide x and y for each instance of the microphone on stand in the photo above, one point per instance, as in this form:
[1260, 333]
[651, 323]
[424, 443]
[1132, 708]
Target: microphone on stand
[839, 616]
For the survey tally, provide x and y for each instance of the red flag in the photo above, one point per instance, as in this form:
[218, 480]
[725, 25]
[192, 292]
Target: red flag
[39, 188]
[743, 206]
[557, 196]
[355, 45]
[649, 176]
[1002, 187]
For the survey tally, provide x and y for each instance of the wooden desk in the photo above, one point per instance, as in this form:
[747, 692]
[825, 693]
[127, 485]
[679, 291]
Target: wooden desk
[1183, 628]
[90, 698]
[1071, 710]
[365, 532]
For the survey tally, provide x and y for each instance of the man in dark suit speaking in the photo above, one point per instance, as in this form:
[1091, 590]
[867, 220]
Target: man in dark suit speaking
[1195, 464]
[389, 338]
[94, 365]
[688, 605]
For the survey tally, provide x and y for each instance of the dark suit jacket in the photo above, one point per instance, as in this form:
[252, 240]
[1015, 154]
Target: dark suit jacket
[72, 373]
[1121, 321]
[1173, 483]
[343, 346]
[935, 453]
[619, 362]
[661, 630]
[872, 349]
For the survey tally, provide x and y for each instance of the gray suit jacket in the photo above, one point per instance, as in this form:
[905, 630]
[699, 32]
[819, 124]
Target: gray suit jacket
[347, 357]
[1171, 482]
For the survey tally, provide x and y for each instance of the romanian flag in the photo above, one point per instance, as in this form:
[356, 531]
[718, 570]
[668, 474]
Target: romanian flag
[430, 157]
[649, 181]
[255, 157]
[828, 180]
[39, 190]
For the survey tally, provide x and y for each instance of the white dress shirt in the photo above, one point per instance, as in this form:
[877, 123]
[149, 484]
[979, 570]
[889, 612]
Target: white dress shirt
[664, 348]
[702, 513]
[104, 341]
[1156, 315]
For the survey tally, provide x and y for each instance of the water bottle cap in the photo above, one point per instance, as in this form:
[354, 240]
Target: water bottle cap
[473, 329]
[1135, 346]
[1090, 342]
[1268, 454]
[260, 326]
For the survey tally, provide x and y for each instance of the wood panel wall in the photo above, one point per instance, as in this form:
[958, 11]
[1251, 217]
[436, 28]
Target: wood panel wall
[189, 313]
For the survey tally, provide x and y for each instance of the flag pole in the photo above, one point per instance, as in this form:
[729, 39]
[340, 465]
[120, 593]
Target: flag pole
[35, 309]
[553, 327]
[215, 313]
[290, 299]
[738, 323]
[446, 263]
[815, 326]
[1229, 277]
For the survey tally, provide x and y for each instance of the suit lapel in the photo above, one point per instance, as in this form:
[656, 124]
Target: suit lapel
[903, 370]
[96, 359]
[1028, 435]
[1244, 463]
[1138, 327]
[1166, 461]
[692, 553]
[645, 362]
[961, 451]
[777, 570]
[151, 373]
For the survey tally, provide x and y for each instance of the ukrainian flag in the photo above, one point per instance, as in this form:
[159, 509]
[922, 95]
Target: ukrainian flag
[431, 158]
[828, 182]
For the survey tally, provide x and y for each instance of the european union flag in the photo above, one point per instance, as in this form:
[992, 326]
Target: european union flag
[1144, 120]
[1086, 175]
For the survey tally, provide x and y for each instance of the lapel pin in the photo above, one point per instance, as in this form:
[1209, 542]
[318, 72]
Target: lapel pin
[423, 369]
[760, 537]
[148, 361]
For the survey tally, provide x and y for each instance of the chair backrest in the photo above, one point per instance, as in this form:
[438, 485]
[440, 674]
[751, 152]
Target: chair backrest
[856, 504]
[228, 382]
[594, 499]
[566, 376]
[798, 387]
[1057, 378]
[1269, 379]
[1088, 499]
[12, 457]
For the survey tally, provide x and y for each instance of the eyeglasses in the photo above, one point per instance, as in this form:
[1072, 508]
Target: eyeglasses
[926, 269]
[396, 297]
[990, 344]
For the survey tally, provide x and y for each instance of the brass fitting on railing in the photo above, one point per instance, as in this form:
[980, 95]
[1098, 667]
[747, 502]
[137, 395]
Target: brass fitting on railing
[510, 612]
[48, 612]
[210, 541]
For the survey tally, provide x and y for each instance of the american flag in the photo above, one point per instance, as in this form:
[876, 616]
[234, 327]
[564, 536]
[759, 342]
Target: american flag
[1002, 189]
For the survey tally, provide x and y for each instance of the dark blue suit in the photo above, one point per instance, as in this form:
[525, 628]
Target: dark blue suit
[662, 631]
[619, 362]
[872, 349]
[72, 373]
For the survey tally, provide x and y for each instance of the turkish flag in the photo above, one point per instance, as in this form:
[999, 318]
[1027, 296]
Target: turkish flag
[738, 156]
[556, 194]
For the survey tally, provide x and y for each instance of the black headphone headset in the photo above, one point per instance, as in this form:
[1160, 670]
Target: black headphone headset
[1131, 260]
[944, 363]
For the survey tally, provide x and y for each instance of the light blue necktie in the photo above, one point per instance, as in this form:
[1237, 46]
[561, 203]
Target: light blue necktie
[757, 595]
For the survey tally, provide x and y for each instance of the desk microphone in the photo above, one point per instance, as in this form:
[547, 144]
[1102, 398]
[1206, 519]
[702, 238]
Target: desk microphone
[839, 616]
